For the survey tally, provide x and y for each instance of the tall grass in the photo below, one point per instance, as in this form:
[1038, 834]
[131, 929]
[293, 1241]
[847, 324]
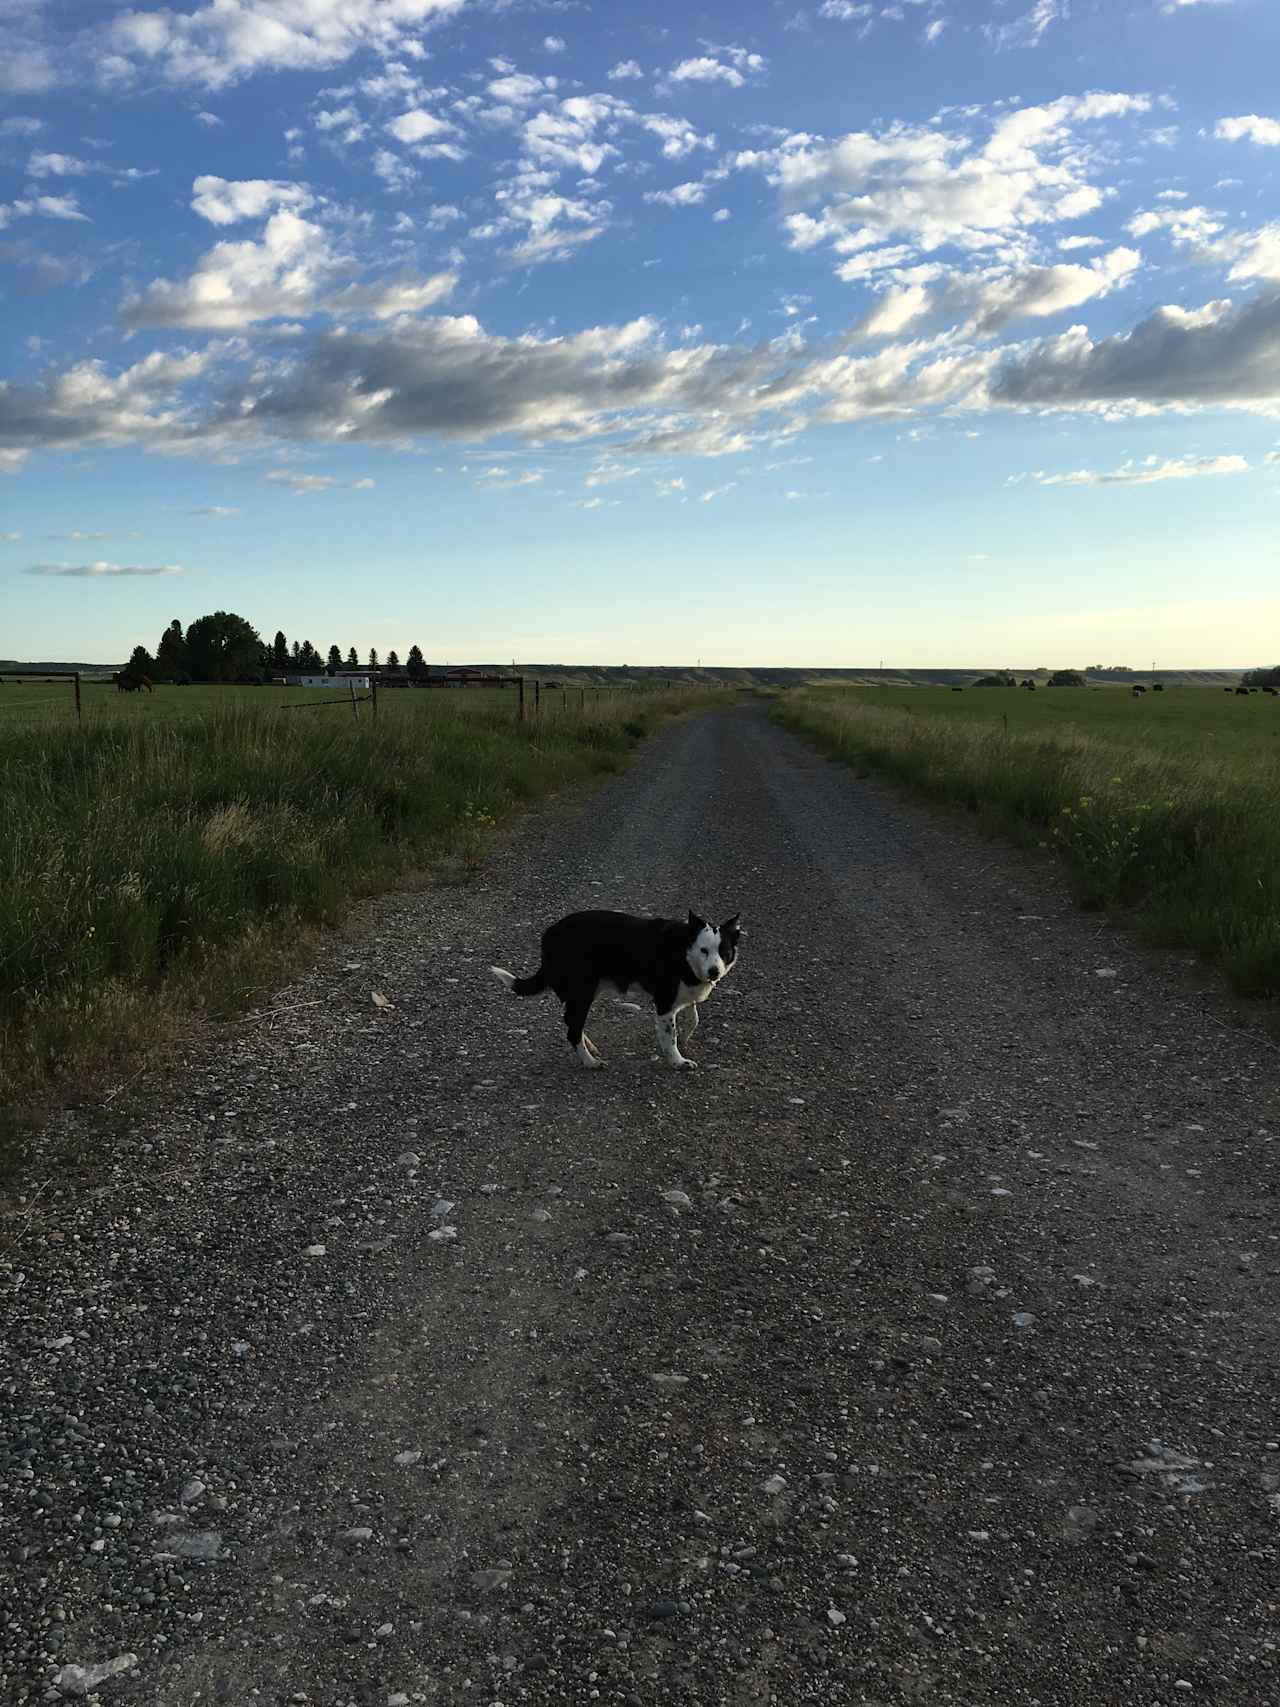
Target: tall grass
[1185, 842]
[151, 867]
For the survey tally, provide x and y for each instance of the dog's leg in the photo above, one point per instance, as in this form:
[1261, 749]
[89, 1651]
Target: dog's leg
[665, 1024]
[693, 1020]
[576, 1010]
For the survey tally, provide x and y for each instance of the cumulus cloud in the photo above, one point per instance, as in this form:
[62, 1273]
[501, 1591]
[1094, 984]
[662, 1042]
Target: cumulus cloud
[236, 284]
[42, 207]
[845, 10]
[102, 570]
[624, 70]
[225, 201]
[680, 195]
[1249, 127]
[1220, 354]
[1145, 473]
[225, 40]
[417, 125]
[56, 166]
[930, 187]
[731, 65]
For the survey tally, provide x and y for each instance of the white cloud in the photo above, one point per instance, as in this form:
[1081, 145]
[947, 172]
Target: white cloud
[226, 40]
[845, 10]
[931, 187]
[1266, 132]
[417, 126]
[96, 571]
[1145, 473]
[507, 479]
[624, 70]
[681, 195]
[236, 284]
[718, 491]
[1028, 30]
[933, 31]
[706, 68]
[56, 166]
[301, 485]
[42, 207]
[1068, 244]
[218, 512]
[720, 215]
[210, 121]
[554, 44]
[225, 201]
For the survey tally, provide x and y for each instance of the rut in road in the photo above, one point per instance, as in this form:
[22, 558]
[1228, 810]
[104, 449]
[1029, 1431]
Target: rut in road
[919, 1347]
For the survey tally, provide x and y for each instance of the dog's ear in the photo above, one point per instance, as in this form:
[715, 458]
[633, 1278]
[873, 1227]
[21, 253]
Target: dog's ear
[695, 921]
[731, 924]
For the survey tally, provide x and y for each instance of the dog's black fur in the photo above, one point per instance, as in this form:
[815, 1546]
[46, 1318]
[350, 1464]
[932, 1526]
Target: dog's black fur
[586, 950]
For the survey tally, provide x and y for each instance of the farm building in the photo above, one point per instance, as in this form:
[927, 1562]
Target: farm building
[326, 681]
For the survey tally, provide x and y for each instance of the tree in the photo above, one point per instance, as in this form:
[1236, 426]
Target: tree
[1066, 679]
[373, 657]
[141, 663]
[415, 663]
[171, 653]
[295, 652]
[393, 659]
[1262, 678]
[309, 659]
[335, 659]
[223, 646]
[280, 652]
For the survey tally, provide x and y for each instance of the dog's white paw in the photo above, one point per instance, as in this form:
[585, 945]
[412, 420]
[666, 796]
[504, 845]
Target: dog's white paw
[682, 1062]
[587, 1056]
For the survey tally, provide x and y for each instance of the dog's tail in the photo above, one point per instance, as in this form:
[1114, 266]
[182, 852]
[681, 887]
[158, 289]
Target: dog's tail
[532, 986]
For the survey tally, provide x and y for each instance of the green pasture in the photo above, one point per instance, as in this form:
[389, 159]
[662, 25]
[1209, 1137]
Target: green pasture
[1166, 808]
[1188, 721]
[173, 852]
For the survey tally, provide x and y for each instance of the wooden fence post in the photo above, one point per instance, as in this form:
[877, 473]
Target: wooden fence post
[520, 700]
[537, 697]
[79, 714]
[373, 696]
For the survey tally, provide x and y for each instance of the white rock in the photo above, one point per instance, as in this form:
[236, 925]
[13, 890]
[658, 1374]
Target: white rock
[314, 1251]
[835, 1617]
[443, 1235]
[414, 1457]
[441, 1207]
[681, 1199]
[774, 1485]
[79, 1680]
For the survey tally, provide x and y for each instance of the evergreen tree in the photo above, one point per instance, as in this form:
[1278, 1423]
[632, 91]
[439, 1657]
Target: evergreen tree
[280, 652]
[295, 651]
[309, 659]
[353, 663]
[393, 659]
[415, 663]
[171, 653]
[335, 659]
[373, 657]
[141, 663]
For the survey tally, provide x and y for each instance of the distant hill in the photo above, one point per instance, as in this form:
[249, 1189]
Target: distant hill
[85, 669]
[763, 675]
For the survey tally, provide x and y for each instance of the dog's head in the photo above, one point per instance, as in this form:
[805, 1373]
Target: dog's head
[711, 949]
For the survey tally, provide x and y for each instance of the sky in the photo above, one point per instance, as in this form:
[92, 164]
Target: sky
[943, 332]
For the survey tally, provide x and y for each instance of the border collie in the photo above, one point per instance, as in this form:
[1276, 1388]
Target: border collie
[678, 964]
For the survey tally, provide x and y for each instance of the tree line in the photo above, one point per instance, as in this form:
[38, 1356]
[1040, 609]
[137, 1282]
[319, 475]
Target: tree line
[224, 647]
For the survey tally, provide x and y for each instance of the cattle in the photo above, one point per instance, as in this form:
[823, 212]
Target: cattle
[1272, 691]
[1243, 691]
[129, 681]
[1157, 687]
[957, 690]
[1138, 691]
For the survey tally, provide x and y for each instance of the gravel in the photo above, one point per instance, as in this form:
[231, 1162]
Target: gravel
[906, 1352]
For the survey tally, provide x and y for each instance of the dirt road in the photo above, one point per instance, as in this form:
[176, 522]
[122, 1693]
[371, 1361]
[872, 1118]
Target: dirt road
[921, 1347]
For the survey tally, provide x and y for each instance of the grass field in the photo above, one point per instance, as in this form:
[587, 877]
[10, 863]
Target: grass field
[1167, 808]
[171, 854]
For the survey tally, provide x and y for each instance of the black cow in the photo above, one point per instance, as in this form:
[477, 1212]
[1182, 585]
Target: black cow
[1243, 691]
[1138, 691]
[129, 681]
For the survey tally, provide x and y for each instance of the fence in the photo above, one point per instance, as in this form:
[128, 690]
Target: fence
[35, 677]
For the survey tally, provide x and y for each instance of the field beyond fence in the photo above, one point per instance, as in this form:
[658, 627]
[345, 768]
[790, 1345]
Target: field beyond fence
[168, 855]
[1167, 808]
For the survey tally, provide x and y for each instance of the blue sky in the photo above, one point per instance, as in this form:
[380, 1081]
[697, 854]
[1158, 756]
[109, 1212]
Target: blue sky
[809, 333]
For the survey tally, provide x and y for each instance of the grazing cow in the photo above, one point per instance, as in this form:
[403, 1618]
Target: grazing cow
[1243, 691]
[957, 690]
[1272, 691]
[1228, 690]
[1157, 687]
[128, 682]
[1138, 691]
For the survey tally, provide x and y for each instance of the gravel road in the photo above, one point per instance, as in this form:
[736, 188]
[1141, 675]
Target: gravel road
[920, 1348]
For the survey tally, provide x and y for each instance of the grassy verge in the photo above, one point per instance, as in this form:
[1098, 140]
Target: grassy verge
[1185, 841]
[151, 870]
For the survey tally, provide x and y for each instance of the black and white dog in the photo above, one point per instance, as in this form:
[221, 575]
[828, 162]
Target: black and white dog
[678, 964]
